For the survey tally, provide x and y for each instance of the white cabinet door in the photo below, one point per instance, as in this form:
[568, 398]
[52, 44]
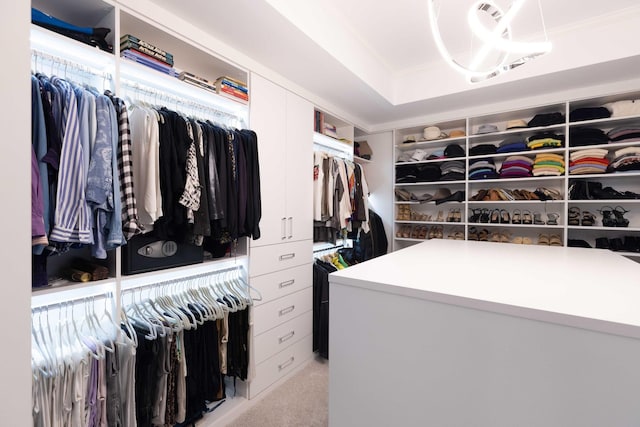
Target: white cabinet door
[299, 168]
[268, 117]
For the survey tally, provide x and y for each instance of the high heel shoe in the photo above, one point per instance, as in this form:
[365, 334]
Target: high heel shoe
[451, 215]
[526, 217]
[574, 216]
[485, 217]
[440, 217]
[504, 216]
[475, 216]
[516, 218]
[495, 217]
[607, 219]
[619, 212]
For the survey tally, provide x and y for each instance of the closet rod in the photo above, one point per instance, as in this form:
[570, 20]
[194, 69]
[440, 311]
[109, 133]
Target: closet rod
[73, 301]
[36, 54]
[180, 279]
[178, 100]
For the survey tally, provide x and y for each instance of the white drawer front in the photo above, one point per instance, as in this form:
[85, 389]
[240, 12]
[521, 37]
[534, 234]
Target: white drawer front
[282, 283]
[267, 259]
[274, 368]
[277, 339]
[274, 313]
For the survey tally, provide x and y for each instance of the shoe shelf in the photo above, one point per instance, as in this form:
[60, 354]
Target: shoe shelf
[518, 202]
[419, 184]
[607, 185]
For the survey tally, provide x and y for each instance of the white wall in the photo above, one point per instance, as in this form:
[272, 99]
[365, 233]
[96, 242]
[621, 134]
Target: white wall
[15, 179]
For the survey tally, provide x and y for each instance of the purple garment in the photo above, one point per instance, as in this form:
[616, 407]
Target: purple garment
[37, 203]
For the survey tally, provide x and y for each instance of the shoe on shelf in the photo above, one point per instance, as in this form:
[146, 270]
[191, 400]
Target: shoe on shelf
[479, 196]
[517, 217]
[552, 218]
[485, 216]
[415, 231]
[607, 219]
[574, 216]
[537, 218]
[526, 217]
[505, 237]
[475, 215]
[504, 216]
[473, 233]
[439, 233]
[459, 235]
[495, 216]
[403, 195]
[517, 240]
[619, 212]
[440, 217]
[483, 235]
[423, 232]
[451, 215]
[527, 241]
[588, 219]
[496, 236]
[602, 243]
[555, 240]
[543, 239]
[457, 216]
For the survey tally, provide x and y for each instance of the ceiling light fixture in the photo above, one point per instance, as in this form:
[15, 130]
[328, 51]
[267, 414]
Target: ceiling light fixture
[498, 39]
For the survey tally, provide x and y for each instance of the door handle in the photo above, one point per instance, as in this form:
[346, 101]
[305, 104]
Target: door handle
[283, 228]
[287, 310]
[290, 227]
[286, 337]
[285, 364]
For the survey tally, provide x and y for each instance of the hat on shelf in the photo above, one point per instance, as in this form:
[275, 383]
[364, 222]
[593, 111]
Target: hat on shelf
[433, 132]
[457, 133]
[363, 150]
[441, 193]
[487, 129]
[517, 123]
[453, 150]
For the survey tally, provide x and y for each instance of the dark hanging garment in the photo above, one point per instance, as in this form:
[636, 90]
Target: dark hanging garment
[254, 204]
[238, 345]
[241, 164]
[321, 272]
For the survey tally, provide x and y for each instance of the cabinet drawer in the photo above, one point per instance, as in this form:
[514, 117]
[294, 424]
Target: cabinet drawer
[267, 259]
[274, 313]
[277, 339]
[281, 283]
[274, 368]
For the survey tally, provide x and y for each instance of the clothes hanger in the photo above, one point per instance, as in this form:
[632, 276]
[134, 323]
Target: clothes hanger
[81, 339]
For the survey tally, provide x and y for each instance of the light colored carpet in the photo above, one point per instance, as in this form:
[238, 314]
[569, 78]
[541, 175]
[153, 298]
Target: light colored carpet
[301, 401]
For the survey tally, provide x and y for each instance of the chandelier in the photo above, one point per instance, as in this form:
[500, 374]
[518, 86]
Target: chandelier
[507, 53]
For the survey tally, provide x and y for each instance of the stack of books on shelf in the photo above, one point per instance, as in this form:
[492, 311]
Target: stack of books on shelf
[197, 81]
[232, 88]
[146, 54]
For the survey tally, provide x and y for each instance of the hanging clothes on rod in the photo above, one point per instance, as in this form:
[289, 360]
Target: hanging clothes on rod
[78, 144]
[198, 176]
[340, 197]
[192, 333]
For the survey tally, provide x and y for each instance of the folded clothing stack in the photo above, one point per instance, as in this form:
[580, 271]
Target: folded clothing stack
[512, 145]
[145, 53]
[625, 159]
[482, 169]
[548, 164]
[452, 171]
[545, 140]
[483, 149]
[624, 134]
[579, 137]
[516, 167]
[627, 107]
[592, 160]
[589, 113]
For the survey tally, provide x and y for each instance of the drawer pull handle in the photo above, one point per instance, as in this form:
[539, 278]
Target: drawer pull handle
[287, 310]
[287, 256]
[286, 337]
[287, 283]
[283, 228]
[285, 364]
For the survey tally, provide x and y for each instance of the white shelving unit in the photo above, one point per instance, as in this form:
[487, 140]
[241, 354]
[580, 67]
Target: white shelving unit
[568, 235]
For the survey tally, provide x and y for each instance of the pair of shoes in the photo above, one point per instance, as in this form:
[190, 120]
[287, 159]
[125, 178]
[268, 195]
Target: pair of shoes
[588, 219]
[454, 215]
[404, 231]
[574, 216]
[552, 240]
[537, 218]
[548, 194]
[552, 218]
[435, 232]
[422, 232]
[404, 213]
[618, 220]
[419, 216]
[619, 212]
[520, 240]
[500, 216]
[475, 215]
[500, 236]
[455, 235]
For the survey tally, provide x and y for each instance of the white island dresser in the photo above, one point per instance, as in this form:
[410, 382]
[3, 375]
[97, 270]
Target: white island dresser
[479, 334]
